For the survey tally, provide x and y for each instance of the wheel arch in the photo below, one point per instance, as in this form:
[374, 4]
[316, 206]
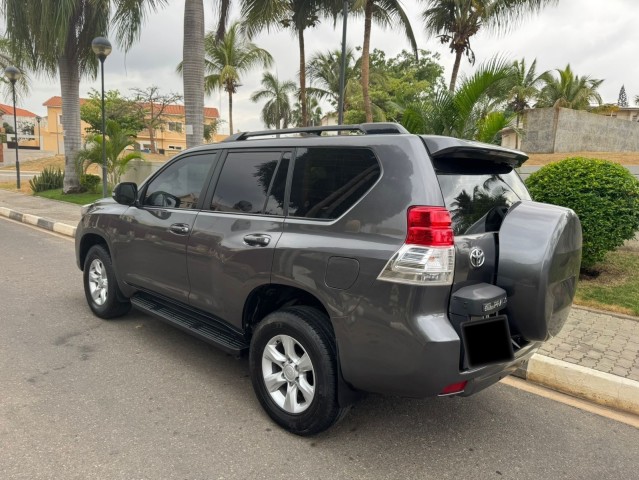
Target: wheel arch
[89, 240]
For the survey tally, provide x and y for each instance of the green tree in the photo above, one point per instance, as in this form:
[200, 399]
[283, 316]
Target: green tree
[324, 72]
[54, 37]
[569, 90]
[8, 59]
[117, 108]
[230, 58]
[525, 87]
[455, 22]
[294, 15]
[277, 109]
[475, 110]
[211, 129]
[623, 98]
[117, 140]
[387, 14]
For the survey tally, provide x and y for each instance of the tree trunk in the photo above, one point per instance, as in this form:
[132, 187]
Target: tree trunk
[453, 77]
[303, 103]
[368, 20]
[517, 133]
[70, 91]
[193, 71]
[230, 112]
[221, 24]
[152, 130]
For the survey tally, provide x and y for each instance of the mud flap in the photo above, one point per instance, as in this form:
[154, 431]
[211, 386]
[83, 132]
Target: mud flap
[539, 260]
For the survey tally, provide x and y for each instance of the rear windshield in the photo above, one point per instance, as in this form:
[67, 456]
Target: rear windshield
[478, 194]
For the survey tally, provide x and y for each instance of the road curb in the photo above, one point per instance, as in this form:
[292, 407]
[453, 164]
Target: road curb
[44, 223]
[586, 383]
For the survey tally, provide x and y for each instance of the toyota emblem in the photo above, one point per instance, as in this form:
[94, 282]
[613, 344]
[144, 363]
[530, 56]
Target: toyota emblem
[477, 257]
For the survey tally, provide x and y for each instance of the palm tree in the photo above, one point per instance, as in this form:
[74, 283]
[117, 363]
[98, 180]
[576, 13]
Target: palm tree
[525, 88]
[475, 110]
[117, 140]
[637, 100]
[56, 38]
[324, 70]
[228, 59]
[569, 90]
[277, 109]
[386, 13]
[455, 22]
[7, 59]
[193, 71]
[294, 15]
[224, 7]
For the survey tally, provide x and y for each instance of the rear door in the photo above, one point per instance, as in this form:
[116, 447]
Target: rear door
[478, 194]
[231, 248]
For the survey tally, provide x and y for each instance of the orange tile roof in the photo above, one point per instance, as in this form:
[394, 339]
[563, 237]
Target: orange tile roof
[209, 112]
[20, 112]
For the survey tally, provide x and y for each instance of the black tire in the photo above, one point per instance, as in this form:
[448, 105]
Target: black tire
[114, 304]
[309, 328]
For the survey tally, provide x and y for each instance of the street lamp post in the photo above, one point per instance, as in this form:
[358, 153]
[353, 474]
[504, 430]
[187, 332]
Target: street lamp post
[342, 73]
[39, 119]
[102, 48]
[13, 75]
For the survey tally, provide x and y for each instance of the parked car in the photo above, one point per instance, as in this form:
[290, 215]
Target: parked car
[368, 261]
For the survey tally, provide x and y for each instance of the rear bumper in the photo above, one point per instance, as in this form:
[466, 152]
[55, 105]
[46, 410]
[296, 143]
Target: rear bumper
[414, 356]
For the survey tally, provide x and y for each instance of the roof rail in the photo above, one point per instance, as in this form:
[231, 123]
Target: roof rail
[364, 128]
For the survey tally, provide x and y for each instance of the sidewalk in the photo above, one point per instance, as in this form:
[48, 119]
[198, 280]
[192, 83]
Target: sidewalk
[596, 355]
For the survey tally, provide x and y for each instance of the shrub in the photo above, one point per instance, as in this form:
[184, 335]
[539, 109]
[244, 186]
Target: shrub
[604, 195]
[90, 183]
[49, 179]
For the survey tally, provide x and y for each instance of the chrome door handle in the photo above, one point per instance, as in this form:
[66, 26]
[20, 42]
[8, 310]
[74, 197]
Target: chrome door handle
[257, 239]
[180, 228]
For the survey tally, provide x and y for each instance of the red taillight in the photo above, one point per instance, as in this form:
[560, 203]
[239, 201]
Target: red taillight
[429, 226]
[454, 388]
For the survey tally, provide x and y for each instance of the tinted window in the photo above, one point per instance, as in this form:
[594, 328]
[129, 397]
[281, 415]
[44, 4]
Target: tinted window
[180, 184]
[328, 181]
[478, 194]
[245, 181]
[275, 202]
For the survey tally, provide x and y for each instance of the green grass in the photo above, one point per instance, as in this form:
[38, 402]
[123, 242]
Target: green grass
[617, 286]
[79, 198]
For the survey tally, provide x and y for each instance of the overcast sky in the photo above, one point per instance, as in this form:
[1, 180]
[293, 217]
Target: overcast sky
[598, 38]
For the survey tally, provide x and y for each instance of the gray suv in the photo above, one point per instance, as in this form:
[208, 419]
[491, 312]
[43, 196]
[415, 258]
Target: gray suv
[342, 260]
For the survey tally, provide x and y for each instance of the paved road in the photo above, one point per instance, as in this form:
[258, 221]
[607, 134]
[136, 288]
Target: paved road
[9, 175]
[131, 399]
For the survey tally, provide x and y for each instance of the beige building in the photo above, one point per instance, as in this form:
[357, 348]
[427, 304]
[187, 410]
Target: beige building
[169, 137]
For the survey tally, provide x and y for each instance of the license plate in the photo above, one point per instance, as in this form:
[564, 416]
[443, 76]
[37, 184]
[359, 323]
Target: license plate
[487, 341]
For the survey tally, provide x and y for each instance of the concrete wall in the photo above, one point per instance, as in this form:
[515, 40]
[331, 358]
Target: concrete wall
[550, 130]
[139, 170]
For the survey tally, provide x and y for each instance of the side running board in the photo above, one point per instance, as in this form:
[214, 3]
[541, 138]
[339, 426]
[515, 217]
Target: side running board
[205, 328]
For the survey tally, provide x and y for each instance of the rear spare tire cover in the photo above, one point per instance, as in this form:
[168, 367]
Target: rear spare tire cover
[539, 260]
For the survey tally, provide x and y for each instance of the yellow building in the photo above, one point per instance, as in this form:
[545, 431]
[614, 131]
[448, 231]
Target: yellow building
[169, 137]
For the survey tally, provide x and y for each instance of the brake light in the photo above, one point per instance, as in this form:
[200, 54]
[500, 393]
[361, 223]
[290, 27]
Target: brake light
[429, 226]
[428, 255]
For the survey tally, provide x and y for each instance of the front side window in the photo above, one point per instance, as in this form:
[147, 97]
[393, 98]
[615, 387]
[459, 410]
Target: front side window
[329, 181]
[180, 185]
[245, 182]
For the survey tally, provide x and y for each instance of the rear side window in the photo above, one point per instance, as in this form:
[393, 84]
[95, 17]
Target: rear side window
[245, 182]
[477, 193]
[329, 181]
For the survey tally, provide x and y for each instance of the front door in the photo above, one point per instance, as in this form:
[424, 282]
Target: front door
[150, 239]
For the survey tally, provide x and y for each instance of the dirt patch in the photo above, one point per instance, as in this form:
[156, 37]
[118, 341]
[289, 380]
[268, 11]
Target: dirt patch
[39, 164]
[629, 158]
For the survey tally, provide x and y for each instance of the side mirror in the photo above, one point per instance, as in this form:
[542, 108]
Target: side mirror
[125, 193]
